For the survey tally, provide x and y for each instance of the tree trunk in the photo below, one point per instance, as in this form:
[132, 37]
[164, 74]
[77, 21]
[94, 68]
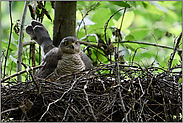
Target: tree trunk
[64, 21]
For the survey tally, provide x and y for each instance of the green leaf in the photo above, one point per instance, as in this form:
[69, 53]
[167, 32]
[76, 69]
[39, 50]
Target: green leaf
[140, 33]
[127, 21]
[129, 38]
[100, 17]
[120, 3]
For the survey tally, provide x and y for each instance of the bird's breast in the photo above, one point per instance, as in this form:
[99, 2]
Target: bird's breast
[69, 64]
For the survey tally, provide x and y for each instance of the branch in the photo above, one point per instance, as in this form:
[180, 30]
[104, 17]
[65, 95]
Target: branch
[9, 38]
[20, 44]
[173, 54]
[137, 42]
[29, 43]
[106, 24]
[18, 73]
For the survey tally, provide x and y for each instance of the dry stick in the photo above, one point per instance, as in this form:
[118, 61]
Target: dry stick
[85, 86]
[9, 39]
[21, 72]
[119, 83]
[65, 114]
[20, 44]
[121, 26]
[173, 54]
[106, 24]
[32, 77]
[12, 109]
[61, 96]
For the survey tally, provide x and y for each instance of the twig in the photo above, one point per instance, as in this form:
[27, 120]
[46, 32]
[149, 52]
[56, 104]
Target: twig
[173, 54]
[31, 76]
[9, 39]
[20, 72]
[137, 42]
[65, 114]
[12, 109]
[29, 43]
[20, 45]
[119, 83]
[106, 24]
[122, 19]
[85, 87]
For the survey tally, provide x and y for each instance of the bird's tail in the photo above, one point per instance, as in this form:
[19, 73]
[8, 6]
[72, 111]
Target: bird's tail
[39, 33]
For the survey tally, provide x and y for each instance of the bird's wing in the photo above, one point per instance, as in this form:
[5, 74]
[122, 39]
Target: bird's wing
[86, 60]
[49, 62]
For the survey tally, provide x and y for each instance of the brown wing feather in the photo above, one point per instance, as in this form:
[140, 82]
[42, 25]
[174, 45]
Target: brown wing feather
[50, 62]
[86, 60]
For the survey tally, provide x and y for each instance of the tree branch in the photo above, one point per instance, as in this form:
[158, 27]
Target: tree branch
[9, 38]
[21, 72]
[137, 42]
[20, 44]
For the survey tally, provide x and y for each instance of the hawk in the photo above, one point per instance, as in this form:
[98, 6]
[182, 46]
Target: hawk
[67, 58]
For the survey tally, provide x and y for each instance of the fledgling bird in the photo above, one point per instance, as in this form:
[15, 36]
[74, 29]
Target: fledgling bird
[67, 58]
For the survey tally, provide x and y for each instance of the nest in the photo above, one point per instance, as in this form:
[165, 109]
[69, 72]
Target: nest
[112, 92]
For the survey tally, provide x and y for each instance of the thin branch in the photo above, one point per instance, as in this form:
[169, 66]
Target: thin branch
[29, 43]
[9, 39]
[122, 18]
[31, 77]
[106, 24]
[173, 54]
[12, 109]
[20, 45]
[138, 42]
[91, 109]
[21, 72]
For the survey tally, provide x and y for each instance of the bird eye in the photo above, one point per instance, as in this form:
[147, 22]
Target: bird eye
[66, 43]
[76, 43]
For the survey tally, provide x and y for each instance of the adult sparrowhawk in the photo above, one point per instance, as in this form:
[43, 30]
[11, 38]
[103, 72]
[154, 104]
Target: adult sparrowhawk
[67, 58]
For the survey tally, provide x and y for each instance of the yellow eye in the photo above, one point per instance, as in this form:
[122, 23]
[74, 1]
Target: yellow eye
[76, 43]
[66, 43]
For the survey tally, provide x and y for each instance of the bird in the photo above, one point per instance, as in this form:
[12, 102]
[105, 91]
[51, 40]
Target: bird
[67, 58]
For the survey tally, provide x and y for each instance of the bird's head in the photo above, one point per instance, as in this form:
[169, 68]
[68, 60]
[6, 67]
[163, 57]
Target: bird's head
[70, 45]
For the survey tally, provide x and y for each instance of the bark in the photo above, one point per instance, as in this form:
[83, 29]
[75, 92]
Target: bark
[64, 21]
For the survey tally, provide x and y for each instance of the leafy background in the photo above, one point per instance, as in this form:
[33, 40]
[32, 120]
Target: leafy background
[156, 22]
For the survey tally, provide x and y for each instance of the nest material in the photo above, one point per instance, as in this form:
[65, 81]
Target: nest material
[113, 92]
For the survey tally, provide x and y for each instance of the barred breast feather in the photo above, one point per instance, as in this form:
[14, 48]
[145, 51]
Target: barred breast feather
[70, 63]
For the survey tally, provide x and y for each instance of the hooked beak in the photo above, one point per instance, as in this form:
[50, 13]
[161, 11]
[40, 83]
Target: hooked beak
[72, 45]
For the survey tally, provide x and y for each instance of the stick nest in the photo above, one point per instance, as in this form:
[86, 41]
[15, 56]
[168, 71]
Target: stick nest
[112, 92]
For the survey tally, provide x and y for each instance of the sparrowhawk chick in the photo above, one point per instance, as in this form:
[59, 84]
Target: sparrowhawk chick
[67, 58]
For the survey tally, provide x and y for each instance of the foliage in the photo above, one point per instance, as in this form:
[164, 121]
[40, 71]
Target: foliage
[157, 22]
